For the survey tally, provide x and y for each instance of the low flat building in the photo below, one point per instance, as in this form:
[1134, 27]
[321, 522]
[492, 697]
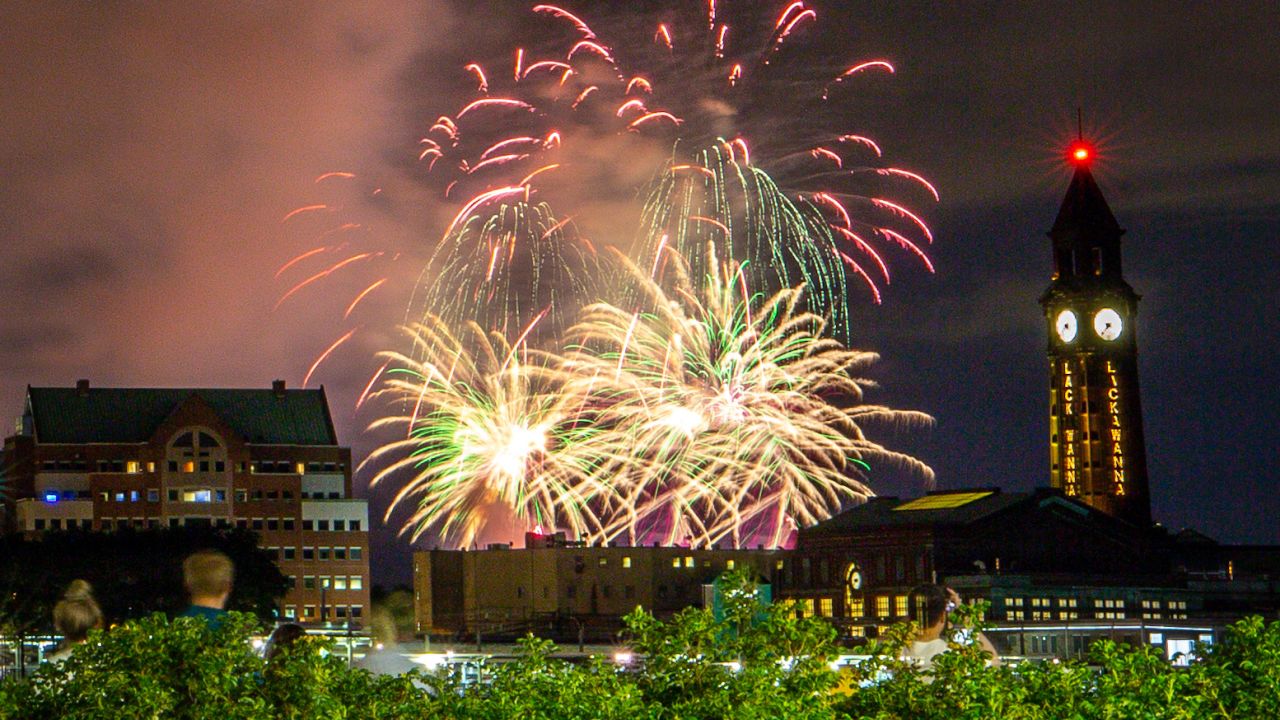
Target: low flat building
[266, 460]
[565, 590]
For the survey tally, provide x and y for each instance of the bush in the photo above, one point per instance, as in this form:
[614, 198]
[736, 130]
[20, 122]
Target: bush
[755, 661]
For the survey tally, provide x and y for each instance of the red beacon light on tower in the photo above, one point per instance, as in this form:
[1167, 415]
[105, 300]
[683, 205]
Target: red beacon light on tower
[1080, 153]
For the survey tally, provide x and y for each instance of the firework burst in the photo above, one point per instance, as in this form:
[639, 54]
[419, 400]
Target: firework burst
[486, 433]
[741, 419]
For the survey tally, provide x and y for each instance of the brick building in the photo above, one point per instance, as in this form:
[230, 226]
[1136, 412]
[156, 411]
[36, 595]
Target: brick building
[557, 589]
[267, 460]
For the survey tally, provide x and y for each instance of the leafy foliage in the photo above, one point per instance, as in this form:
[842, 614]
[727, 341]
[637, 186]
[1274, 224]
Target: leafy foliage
[752, 661]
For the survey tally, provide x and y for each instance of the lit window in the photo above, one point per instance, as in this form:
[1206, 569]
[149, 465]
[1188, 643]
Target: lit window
[882, 606]
[900, 605]
[675, 562]
[855, 607]
[308, 611]
[688, 561]
[133, 496]
[119, 497]
[340, 582]
[603, 561]
[51, 497]
[728, 564]
[132, 466]
[826, 607]
[357, 582]
[626, 561]
[200, 496]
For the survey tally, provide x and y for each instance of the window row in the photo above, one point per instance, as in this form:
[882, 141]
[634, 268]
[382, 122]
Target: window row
[317, 553]
[328, 582]
[309, 612]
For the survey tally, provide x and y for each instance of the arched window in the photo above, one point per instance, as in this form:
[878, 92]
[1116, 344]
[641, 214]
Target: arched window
[196, 450]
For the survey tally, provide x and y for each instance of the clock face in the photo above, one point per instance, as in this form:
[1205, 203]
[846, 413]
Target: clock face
[1107, 324]
[853, 576]
[1066, 325]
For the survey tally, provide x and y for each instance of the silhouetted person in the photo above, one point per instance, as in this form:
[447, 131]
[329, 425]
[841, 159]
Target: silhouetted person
[208, 576]
[74, 616]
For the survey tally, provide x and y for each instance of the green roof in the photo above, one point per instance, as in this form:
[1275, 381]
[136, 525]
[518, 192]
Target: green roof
[131, 415]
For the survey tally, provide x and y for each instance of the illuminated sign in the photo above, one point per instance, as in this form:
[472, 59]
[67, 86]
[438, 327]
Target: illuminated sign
[1067, 453]
[1115, 430]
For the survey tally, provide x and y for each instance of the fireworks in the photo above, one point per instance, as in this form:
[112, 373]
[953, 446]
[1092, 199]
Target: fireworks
[757, 159]
[711, 414]
[740, 417]
[485, 433]
[506, 268]
[699, 391]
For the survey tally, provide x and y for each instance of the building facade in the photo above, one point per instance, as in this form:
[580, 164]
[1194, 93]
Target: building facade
[1096, 444]
[266, 460]
[566, 589]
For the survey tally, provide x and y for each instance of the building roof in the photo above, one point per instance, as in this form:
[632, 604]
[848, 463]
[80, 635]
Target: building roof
[132, 415]
[950, 507]
[1084, 210]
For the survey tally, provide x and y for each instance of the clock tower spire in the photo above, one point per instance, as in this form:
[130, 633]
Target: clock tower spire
[1096, 448]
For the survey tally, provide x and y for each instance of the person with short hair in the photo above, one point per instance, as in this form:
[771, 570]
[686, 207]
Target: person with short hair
[931, 605]
[208, 576]
[74, 616]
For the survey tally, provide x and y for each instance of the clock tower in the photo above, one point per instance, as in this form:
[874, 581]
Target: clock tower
[1096, 449]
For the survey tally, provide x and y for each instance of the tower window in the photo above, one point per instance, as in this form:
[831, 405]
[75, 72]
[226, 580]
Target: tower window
[1097, 261]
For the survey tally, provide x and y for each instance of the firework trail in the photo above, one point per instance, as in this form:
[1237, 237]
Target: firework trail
[486, 434]
[740, 418]
[505, 268]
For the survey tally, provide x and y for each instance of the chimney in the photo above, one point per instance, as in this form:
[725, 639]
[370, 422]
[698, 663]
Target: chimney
[82, 387]
[277, 387]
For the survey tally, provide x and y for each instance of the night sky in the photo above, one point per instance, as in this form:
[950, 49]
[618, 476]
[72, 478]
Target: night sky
[150, 152]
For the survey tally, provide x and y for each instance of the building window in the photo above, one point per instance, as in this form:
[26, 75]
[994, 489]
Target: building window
[308, 611]
[309, 582]
[826, 607]
[854, 607]
[900, 606]
[273, 523]
[290, 553]
[357, 553]
[256, 524]
[242, 495]
[340, 582]
[322, 525]
[353, 525]
[688, 561]
[323, 553]
[728, 564]
[338, 525]
[308, 553]
[308, 525]
[675, 562]
[287, 523]
[626, 561]
[357, 611]
[882, 606]
[339, 553]
[357, 583]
